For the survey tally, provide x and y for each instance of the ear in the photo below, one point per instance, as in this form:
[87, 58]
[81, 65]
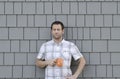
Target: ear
[63, 31]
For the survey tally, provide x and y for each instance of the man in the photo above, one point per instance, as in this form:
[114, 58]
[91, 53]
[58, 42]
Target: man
[57, 48]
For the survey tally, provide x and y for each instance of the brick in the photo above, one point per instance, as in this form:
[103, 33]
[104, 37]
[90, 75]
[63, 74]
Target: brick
[33, 46]
[22, 21]
[3, 33]
[69, 33]
[118, 7]
[79, 43]
[4, 46]
[109, 7]
[89, 71]
[109, 71]
[100, 46]
[48, 7]
[95, 33]
[80, 21]
[108, 78]
[86, 33]
[101, 71]
[59, 0]
[86, 46]
[89, 20]
[105, 33]
[2, 21]
[87, 57]
[17, 8]
[5, 71]
[32, 0]
[115, 57]
[40, 21]
[116, 19]
[105, 58]
[65, 8]
[82, 7]
[73, 8]
[32, 58]
[56, 8]
[86, 78]
[16, 33]
[113, 46]
[44, 33]
[93, 8]
[50, 19]
[24, 46]
[115, 33]
[71, 21]
[116, 70]
[75, 33]
[1, 8]
[30, 21]
[62, 18]
[15, 46]
[40, 8]
[40, 73]
[108, 20]
[80, 0]
[1, 58]
[20, 59]
[28, 8]
[9, 58]
[98, 20]
[44, 0]
[69, 0]
[94, 58]
[28, 71]
[8, 8]
[31, 33]
[17, 0]
[80, 33]
[17, 71]
[3, 0]
[11, 21]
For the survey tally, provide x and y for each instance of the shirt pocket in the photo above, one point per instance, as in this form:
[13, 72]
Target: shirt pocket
[48, 55]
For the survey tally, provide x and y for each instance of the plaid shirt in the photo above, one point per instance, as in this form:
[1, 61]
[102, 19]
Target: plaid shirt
[65, 50]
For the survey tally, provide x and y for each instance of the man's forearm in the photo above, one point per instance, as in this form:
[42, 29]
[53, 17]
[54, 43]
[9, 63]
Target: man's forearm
[81, 65]
[41, 63]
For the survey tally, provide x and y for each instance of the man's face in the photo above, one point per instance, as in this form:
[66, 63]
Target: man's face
[57, 31]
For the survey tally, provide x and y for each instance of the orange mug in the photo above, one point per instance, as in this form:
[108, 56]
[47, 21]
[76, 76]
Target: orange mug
[59, 62]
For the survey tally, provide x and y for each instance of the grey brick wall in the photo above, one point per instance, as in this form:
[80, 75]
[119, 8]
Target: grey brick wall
[93, 25]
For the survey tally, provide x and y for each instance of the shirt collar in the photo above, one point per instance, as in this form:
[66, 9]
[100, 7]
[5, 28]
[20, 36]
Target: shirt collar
[59, 43]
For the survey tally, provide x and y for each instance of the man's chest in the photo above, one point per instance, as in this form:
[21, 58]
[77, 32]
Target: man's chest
[57, 51]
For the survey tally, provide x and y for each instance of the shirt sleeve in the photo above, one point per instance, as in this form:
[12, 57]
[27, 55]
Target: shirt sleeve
[41, 54]
[75, 52]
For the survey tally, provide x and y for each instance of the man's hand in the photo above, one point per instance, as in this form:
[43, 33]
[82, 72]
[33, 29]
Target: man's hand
[71, 77]
[51, 62]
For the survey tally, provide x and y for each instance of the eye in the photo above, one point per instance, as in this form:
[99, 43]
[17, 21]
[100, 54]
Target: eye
[58, 29]
[54, 29]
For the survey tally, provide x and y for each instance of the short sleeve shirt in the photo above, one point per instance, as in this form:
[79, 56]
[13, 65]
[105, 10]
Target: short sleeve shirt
[65, 50]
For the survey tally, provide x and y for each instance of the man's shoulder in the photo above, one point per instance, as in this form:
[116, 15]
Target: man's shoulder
[68, 42]
[48, 42]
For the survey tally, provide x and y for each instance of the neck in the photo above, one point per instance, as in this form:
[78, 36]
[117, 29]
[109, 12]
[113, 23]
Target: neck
[58, 40]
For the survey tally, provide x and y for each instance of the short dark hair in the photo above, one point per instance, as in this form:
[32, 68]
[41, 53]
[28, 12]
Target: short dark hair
[57, 22]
